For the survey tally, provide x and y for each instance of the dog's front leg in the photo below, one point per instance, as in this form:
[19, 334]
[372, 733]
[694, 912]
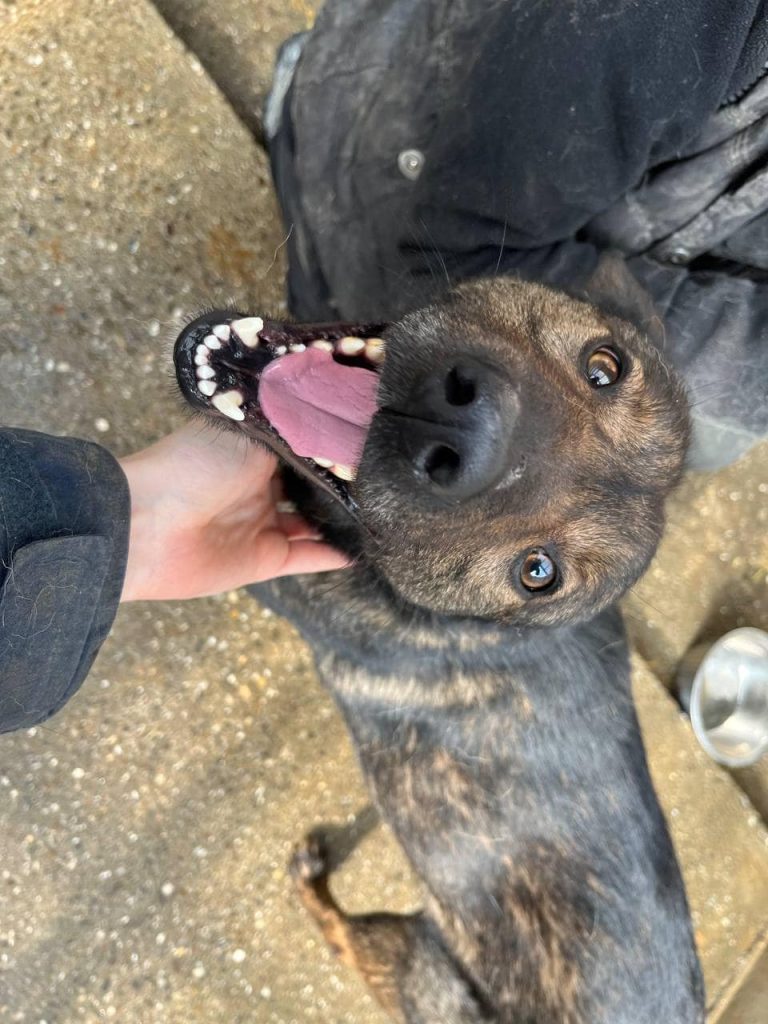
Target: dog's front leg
[401, 958]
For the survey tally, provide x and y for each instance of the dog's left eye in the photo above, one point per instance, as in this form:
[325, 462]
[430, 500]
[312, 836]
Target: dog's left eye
[603, 367]
[538, 572]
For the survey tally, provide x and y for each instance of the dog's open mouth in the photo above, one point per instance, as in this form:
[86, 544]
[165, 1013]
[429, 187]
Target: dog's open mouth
[306, 390]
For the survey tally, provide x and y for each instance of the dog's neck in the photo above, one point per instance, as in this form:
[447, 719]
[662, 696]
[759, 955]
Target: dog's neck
[357, 611]
[353, 619]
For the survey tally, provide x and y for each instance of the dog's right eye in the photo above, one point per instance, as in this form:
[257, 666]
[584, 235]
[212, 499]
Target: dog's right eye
[603, 367]
[538, 571]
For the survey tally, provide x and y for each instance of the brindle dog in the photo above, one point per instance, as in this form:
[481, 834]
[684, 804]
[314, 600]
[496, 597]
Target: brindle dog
[510, 490]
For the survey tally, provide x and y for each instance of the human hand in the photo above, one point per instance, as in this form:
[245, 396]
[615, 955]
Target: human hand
[204, 518]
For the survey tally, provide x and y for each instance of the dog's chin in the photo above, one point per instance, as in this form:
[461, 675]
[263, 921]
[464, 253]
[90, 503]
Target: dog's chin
[414, 580]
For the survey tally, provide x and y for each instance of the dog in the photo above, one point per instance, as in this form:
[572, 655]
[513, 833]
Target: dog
[496, 466]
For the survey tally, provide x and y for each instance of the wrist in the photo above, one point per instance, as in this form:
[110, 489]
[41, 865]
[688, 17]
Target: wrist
[141, 539]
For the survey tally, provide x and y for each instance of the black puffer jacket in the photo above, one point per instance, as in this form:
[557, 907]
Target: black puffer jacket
[420, 141]
[64, 518]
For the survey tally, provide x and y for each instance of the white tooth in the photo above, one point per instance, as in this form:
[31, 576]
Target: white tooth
[212, 341]
[248, 329]
[298, 347]
[351, 346]
[229, 403]
[201, 358]
[222, 332]
[325, 345]
[344, 472]
[325, 463]
[205, 373]
[374, 350]
[207, 387]
[280, 350]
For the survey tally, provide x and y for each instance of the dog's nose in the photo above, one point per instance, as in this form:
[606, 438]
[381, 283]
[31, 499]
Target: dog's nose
[456, 429]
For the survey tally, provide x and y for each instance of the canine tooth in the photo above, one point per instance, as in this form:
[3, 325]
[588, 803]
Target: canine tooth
[229, 403]
[222, 332]
[205, 372]
[351, 346]
[248, 330]
[207, 387]
[344, 472]
[211, 341]
[297, 347]
[325, 345]
[201, 358]
[325, 463]
[374, 350]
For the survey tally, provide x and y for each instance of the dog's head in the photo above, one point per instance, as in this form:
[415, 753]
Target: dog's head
[503, 454]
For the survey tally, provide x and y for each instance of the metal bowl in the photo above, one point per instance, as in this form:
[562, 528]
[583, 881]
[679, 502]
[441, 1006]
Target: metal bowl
[724, 688]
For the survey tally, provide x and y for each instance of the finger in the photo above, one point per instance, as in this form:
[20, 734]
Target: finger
[222, 450]
[275, 555]
[295, 527]
[276, 489]
[312, 556]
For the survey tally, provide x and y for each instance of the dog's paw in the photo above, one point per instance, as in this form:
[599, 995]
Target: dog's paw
[309, 861]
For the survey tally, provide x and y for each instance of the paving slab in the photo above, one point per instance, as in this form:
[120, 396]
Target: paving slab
[710, 575]
[236, 41]
[146, 832]
[748, 1003]
[719, 838]
[130, 195]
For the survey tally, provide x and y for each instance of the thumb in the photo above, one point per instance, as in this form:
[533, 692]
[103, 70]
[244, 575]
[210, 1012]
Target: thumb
[312, 556]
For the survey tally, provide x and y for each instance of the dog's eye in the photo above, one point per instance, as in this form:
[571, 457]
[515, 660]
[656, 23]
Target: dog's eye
[538, 572]
[603, 367]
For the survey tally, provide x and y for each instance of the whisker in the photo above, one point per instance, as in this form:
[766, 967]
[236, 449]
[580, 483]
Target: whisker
[710, 398]
[277, 250]
[437, 252]
[644, 601]
[704, 384]
[501, 247]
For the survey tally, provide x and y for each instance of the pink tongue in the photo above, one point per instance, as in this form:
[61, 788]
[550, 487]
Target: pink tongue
[320, 407]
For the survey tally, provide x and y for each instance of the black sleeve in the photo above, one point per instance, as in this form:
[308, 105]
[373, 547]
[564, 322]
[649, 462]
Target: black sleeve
[64, 523]
[522, 122]
[716, 334]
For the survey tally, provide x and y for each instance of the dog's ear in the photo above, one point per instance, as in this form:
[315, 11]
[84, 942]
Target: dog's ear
[612, 288]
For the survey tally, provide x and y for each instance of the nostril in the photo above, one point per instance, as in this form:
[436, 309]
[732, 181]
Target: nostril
[441, 465]
[459, 387]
